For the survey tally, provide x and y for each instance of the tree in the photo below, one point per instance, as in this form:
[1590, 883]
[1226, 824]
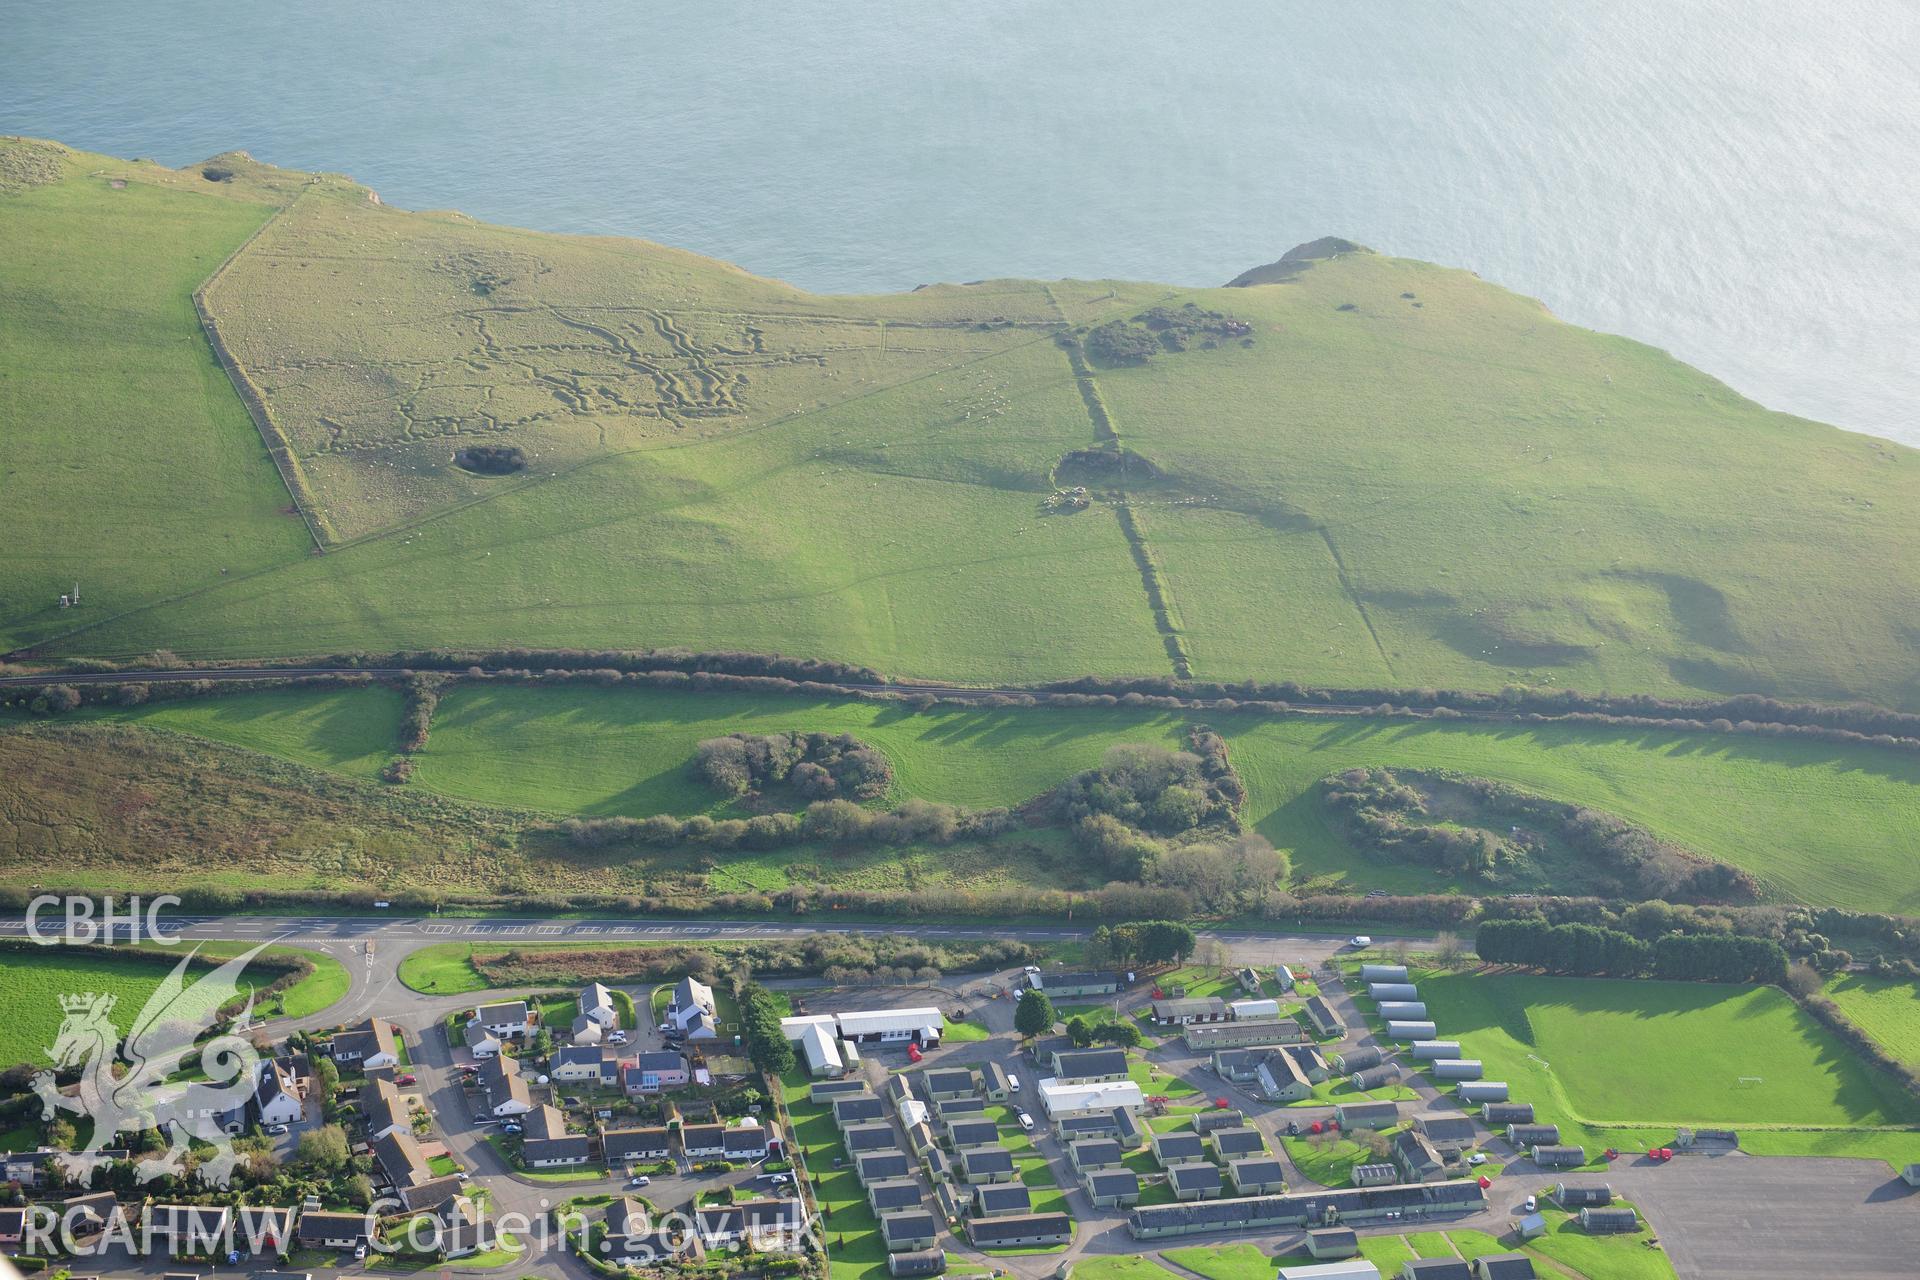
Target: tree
[767, 1045]
[1448, 949]
[323, 1150]
[1079, 1032]
[1034, 1016]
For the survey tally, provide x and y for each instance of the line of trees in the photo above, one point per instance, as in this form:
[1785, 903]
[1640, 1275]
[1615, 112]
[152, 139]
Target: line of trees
[1592, 950]
[767, 1045]
[1141, 943]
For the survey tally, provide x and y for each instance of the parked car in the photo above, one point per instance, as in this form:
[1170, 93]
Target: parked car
[1013, 1083]
[1360, 940]
[572, 1101]
[1533, 1202]
[1026, 1122]
[409, 1078]
[616, 1037]
[510, 1128]
[276, 1129]
[1476, 1158]
[639, 1180]
[359, 1252]
[1293, 1128]
[463, 1175]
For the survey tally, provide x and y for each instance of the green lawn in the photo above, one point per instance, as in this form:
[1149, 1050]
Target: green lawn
[1389, 1253]
[1228, 1261]
[1647, 1056]
[1122, 1267]
[350, 731]
[1885, 1008]
[1328, 1159]
[965, 1032]
[1609, 1257]
[32, 982]
[1152, 1080]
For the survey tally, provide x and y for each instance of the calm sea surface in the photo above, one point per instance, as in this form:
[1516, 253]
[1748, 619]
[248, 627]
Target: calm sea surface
[1735, 180]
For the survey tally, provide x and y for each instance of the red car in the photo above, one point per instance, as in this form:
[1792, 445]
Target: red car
[409, 1078]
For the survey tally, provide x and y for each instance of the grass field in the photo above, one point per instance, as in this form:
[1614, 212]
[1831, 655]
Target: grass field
[33, 982]
[1409, 476]
[1885, 1008]
[1616, 1062]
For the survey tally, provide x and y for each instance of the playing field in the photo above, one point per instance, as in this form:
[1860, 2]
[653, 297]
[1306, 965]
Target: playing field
[1592, 1052]
[1401, 475]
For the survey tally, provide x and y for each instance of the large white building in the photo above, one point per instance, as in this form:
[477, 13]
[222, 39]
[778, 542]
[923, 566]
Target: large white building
[1060, 1099]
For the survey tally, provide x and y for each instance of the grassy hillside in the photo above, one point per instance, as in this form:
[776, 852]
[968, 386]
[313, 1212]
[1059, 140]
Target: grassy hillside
[1402, 474]
[1759, 803]
[1887, 1009]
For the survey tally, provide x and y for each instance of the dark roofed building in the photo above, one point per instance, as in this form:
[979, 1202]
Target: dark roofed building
[1499, 1113]
[1533, 1135]
[1177, 1148]
[909, 1229]
[1447, 1133]
[894, 1194]
[1220, 1118]
[1323, 1017]
[1503, 1266]
[1188, 1010]
[867, 1137]
[1005, 1198]
[987, 1164]
[973, 1133]
[1436, 1269]
[1551, 1157]
[1272, 1213]
[1094, 1153]
[1259, 1176]
[877, 1166]
[647, 1142]
[858, 1108]
[1609, 1219]
[917, 1262]
[1333, 1242]
[1113, 1188]
[1415, 1157]
[1199, 1181]
[1236, 1142]
[1367, 1115]
[1037, 1229]
[1572, 1197]
[1080, 1065]
[318, 1229]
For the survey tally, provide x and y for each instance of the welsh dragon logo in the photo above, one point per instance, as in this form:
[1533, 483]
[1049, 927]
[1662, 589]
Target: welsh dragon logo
[137, 1084]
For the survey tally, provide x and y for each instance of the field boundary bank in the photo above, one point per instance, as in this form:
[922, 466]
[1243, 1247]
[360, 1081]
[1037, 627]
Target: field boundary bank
[279, 447]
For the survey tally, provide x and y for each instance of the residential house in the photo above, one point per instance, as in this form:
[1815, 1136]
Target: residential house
[1309, 1059]
[481, 1042]
[1188, 1010]
[586, 1031]
[1286, 977]
[868, 1137]
[920, 1135]
[827, 1090]
[262, 1230]
[950, 1082]
[939, 1166]
[508, 1019]
[596, 1002]
[385, 1109]
[280, 1097]
[1094, 1153]
[366, 1045]
[13, 1228]
[955, 1108]
[1232, 1144]
[1126, 1128]
[187, 1230]
[691, 1010]
[992, 1200]
[1241, 1066]
[859, 1108]
[1325, 1020]
[465, 1229]
[655, 1071]
[768, 1226]
[1449, 1135]
[644, 1144]
[909, 1229]
[1258, 1176]
[1170, 1149]
[584, 1064]
[1038, 1230]
[893, 1194]
[1415, 1157]
[507, 1093]
[878, 1166]
[546, 1144]
[1249, 981]
[987, 1164]
[1198, 1181]
[1082, 1066]
[83, 1217]
[747, 1142]
[975, 1131]
[1112, 1188]
[709, 1141]
[321, 1229]
[1280, 1079]
[399, 1160]
[1092, 1124]
[993, 1082]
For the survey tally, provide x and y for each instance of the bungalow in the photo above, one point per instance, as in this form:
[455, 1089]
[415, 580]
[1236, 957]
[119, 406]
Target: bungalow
[692, 1011]
[1092, 1124]
[385, 1109]
[866, 1137]
[465, 1229]
[1557, 1157]
[1286, 977]
[1435, 1269]
[857, 1108]
[766, 1225]
[878, 1166]
[1186, 1011]
[1280, 1079]
[655, 1071]
[951, 1082]
[917, 1262]
[1082, 1066]
[747, 1142]
[1309, 1059]
[1112, 1188]
[909, 1229]
[13, 1227]
[920, 1136]
[587, 1031]
[186, 1230]
[1206, 1037]
[1024, 1229]
[1126, 1129]
[628, 1226]
[975, 1131]
[1094, 1153]
[321, 1229]
[987, 1164]
[939, 1166]
[1531, 1135]
[481, 1042]
[1325, 1021]
[1503, 1266]
[1231, 1144]
[547, 1144]
[506, 1088]
[994, 1082]
[827, 1090]
[83, 1217]
[1333, 1242]
[632, 1146]
[892, 1195]
[280, 1097]
[508, 1019]
[708, 1141]
[948, 1202]
[432, 1194]
[367, 1045]
[400, 1160]
[1059, 986]
[956, 1108]
[1367, 1115]
[1448, 1134]
[1259, 1176]
[596, 1002]
[993, 1200]
[1198, 1181]
[1415, 1157]
[262, 1229]
[583, 1064]
[1170, 1149]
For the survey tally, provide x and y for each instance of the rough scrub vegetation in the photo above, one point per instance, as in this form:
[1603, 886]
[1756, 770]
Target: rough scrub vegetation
[817, 766]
